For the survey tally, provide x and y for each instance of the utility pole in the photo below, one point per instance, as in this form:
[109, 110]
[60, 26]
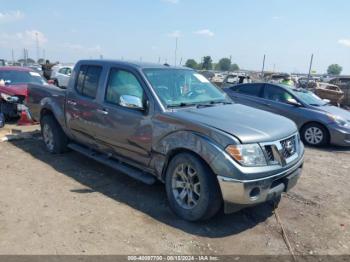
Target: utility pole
[13, 56]
[176, 50]
[158, 60]
[263, 66]
[310, 68]
[37, 46]
[181, 61]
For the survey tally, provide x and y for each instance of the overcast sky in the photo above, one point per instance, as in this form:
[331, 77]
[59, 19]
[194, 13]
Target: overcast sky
[287, 31]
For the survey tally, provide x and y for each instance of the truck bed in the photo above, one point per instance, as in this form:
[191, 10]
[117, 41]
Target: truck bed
[38, 93]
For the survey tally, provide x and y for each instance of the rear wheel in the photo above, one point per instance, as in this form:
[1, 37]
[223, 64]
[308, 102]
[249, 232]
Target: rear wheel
[54, 138]
[314, 134]
[192, 188]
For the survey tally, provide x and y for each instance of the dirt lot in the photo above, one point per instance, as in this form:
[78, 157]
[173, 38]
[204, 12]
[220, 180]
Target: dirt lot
[69, 204]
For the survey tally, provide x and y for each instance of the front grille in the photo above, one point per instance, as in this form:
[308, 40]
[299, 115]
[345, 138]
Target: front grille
[288, 147]
[269, 154]
[280, 152]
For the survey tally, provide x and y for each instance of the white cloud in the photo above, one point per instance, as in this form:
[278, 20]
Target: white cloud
[344, 42]
[83, 49]
[11, 16]
[172, 1]
[175, 34]
[25, 39]
[205, 32]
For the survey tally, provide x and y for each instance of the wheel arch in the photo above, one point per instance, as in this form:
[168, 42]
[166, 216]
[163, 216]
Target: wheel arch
[318, 123]
[183, 142]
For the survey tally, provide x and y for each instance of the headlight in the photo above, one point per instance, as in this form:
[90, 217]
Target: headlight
[8, 98]
[247, 155]
[340, 121]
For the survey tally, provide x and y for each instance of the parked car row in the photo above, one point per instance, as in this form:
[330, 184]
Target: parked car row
[157, 122]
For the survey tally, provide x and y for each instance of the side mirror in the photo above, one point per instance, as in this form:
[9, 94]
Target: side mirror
[133, 102]
[293, 102]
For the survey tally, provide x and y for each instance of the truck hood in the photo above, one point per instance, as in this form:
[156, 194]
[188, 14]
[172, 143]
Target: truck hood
[20, 89]
[248, 124]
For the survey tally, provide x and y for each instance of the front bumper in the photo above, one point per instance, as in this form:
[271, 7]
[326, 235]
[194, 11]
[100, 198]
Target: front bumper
[238, 194]
[339, 136]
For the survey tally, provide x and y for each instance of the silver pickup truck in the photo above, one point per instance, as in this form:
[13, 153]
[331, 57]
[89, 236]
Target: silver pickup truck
[156, 122]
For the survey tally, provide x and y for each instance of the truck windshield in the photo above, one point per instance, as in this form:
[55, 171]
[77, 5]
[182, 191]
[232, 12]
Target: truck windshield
[182, 87]
[12, 77]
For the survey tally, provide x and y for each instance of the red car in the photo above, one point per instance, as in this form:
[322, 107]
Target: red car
[14, 88]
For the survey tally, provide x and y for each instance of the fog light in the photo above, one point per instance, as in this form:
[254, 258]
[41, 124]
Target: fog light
[254, 193]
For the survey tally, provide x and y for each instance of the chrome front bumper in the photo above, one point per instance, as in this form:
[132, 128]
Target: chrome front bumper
[238, 194]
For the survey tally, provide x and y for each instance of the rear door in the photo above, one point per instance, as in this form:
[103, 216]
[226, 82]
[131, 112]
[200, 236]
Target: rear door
[81, 105]
[126, 131]
[247, 94]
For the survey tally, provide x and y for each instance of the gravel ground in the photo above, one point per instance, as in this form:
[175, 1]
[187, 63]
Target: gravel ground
[69, 204]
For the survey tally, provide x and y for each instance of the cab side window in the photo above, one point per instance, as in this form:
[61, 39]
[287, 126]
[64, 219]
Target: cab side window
[88, 79]
[120, 83]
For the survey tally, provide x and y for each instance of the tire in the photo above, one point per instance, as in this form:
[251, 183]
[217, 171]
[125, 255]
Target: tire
[314, 134]
[188, 175]
[54, 138]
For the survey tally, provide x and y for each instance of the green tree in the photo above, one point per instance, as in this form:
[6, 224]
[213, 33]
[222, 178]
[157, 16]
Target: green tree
[41, 61]
[224, 64]
[234, 67]
[207, 63]
[191, 63]
[334, 69]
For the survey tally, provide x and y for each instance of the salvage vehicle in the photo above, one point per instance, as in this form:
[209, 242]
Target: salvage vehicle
[61, 74]
[156, 122]
[319, 122]
[14, 83]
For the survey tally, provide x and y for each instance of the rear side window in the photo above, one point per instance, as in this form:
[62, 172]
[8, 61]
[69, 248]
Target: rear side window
[87, 82]
[249, 89]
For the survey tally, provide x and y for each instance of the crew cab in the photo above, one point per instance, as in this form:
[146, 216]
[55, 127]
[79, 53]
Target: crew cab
[157, 122]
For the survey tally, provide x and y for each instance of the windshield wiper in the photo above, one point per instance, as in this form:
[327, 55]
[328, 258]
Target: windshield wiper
[181, 105]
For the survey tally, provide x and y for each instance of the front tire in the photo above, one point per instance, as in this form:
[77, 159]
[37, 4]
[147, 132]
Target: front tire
[54, 138]
[314, 134]
[192, 188]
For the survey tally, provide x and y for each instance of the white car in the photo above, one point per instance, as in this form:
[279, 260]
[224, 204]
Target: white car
[61, 74]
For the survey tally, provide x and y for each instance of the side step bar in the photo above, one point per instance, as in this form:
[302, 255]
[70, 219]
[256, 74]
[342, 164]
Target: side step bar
[119, 166]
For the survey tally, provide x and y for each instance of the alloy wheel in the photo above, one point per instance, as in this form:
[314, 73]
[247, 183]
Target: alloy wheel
[186, 186]
[48, 137]
[313, 135]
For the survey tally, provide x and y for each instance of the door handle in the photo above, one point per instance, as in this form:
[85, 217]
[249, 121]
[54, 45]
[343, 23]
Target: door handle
[102, 111]
[71, 102]
[267, 104]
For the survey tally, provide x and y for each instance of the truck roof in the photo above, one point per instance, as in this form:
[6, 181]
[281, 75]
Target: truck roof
[140, 65]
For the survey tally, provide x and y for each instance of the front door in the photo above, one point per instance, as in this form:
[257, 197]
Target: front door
[276, 100]
[126, 130]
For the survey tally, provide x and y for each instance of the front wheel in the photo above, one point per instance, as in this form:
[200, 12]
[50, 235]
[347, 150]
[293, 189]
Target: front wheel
[192, 188]
[314, 134]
